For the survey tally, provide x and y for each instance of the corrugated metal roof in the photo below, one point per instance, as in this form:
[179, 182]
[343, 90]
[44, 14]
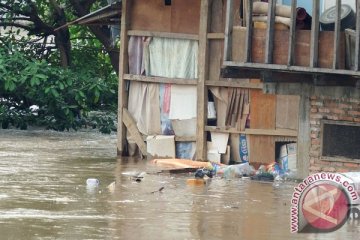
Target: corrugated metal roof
[109, 15]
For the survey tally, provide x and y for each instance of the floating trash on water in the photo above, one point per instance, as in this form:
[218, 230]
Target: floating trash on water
[111, 187]
[92, 182]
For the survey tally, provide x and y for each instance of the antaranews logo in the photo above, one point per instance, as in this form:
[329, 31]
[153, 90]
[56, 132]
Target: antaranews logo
[322, 203]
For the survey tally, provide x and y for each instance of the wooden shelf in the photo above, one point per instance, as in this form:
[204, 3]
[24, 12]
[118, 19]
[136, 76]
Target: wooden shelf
[147, 79]
[249, 131]
[234, 83]
[292, 69]
[178, 138]
[162, 34]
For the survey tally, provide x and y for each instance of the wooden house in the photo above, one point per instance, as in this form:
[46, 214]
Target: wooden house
[273, 85]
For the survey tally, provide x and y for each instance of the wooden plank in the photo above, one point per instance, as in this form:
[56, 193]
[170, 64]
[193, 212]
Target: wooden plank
[314, 42]
[154, 15]
[162, 34]
[287, 111]
[131, 127]
[292, 34]
[228, 29]
[293, 69]
[150, 15]
[262, 149]
[357, 37]
[201, 151]
[216, 45]
[215, 36]
[185, 16]
[123, 68]
[269, 45]
[249, 131]
[178, 138]
[238, 83]
[262, 110]
[147, 79]
[249, 31]
[281, 47]
[337, 35]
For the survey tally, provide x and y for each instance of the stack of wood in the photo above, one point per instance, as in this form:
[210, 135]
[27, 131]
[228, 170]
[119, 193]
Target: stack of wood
[282, 15]
[238, 109]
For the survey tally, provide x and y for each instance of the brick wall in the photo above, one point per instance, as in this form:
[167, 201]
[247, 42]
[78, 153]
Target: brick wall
[330, 109]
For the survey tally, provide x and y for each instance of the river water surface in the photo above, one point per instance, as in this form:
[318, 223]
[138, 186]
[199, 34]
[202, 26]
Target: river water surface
[43, 195]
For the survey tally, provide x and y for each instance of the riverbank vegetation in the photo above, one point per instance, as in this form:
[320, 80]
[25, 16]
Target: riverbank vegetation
[46, 83]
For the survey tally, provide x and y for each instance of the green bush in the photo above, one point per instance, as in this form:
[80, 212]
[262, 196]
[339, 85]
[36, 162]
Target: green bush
[64, 96]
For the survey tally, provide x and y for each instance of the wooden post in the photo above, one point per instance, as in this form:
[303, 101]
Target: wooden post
[357, 37]
[269, 45]
[291, 52]
[228, 29]
[123, 68]
[249, 30]
[337, 35]
[314, 41]
[201, 89]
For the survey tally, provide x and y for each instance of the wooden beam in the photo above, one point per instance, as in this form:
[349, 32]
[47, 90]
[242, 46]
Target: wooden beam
[162, 34]
[234, 83]
[357, 37]
[202, 100]
[178, 138]
[314, 41]
[228, 30]
[147, 79]
[216, 36]
[123, 68]
[249, 30]
[337, 35]
[294, 69]
[249, 131]
[134, 131]
[269, 44]
[292, 34]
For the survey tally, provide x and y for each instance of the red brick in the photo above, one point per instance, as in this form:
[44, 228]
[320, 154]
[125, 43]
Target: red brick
[344, 106]
[337, 164]
[314, 97]
[313, 110]
[314, 122]
[316, 103]
[346, 118]
[314, 135]
[329, 169]
[353, 100]
[316, 116]
[342, 170]
[337, 111]
[324, 110]
[333, 117]
[354, 113]
[352, 165]
[315, 141]
[315, 168]
[323, 163]
[314, 153]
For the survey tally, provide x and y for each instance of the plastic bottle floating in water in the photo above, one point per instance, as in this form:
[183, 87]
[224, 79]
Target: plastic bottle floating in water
[92, 182]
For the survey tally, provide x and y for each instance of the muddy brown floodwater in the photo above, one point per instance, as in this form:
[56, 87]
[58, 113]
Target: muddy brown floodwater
[43, 195]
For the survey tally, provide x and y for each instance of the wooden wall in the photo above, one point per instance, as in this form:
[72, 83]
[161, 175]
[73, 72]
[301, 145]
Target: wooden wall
[182, 16]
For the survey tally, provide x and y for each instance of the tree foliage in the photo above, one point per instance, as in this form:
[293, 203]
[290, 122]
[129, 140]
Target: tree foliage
[66, 73]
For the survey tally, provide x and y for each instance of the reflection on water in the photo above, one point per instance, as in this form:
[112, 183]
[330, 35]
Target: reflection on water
[43, 195]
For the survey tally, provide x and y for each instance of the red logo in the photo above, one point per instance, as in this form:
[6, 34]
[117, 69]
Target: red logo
[325, 207]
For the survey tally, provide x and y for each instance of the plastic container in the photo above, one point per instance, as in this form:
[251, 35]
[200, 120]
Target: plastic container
[92, 182]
